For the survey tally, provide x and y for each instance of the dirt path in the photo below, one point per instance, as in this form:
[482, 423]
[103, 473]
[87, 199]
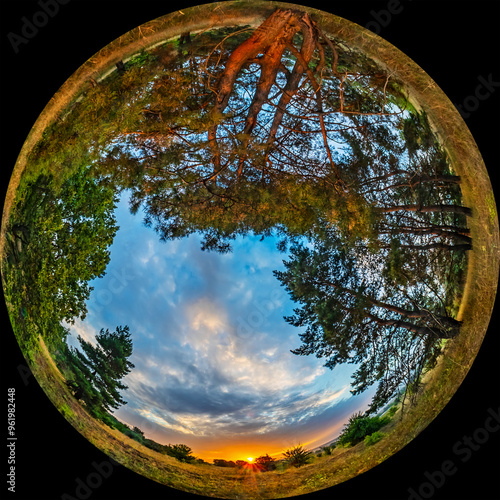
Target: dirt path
[50, 360]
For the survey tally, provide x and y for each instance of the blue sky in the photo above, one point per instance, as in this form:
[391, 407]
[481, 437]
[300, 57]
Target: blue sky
[213, 367]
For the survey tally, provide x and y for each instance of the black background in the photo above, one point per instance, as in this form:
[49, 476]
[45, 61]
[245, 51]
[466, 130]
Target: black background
[454, 42]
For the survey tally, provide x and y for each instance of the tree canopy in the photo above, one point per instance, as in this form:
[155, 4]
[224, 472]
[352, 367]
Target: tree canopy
[60, 239]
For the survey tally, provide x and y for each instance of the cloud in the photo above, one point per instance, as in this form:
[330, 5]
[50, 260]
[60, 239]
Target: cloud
[211, 348]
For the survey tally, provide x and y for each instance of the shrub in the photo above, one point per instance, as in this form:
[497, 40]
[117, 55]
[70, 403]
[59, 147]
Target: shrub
[281, 466]
[181, 452]
[359, 427]
[219, 462]
[265, 462]
[373, 438]
[327, 450]
[392, 410]
[297, 456]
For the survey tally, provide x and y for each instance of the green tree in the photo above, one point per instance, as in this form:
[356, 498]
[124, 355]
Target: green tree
[98, 369]
[66, 233]
[181, 452]
[138, 431]
[351, 315]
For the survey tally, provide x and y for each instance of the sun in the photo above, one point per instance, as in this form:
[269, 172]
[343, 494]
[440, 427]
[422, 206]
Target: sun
[250, 459]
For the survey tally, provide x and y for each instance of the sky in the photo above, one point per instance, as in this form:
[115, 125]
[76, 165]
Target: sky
[213, 367]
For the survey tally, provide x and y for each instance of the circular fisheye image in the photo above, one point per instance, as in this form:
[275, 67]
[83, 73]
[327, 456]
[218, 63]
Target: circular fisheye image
[249, 250]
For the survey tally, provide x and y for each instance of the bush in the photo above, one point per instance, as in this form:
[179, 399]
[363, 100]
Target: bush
[327, 450]
[392, 410]
[219, 462]
[297, 456]
[153, 445]
[359, 427]
[373, 438]
[181, 452]
[265, 462]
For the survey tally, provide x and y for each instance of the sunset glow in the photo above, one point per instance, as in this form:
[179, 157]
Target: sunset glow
[250, 459]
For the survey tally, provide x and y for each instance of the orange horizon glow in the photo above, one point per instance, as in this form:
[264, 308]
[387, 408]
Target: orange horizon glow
[251, 449]
[233, 449]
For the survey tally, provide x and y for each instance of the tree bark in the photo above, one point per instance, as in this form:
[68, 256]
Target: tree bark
[270, 39]
[457, 209]
[441, 246]
[446, 326]
[458, 233]
[419, 330]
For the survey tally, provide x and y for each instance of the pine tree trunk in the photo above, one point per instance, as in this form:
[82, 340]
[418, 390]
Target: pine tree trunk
[446, 327]
[270, 39]
[441, 246]
[456, 209]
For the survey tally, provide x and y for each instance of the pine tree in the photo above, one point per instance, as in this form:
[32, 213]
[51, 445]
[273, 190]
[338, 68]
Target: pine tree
[351, 314]
[98, 369]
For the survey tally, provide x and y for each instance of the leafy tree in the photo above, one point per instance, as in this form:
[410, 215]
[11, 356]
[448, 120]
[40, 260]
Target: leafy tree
[181, 452]
[98, 369]
[297, 456]
[66, 235]
[196, 166]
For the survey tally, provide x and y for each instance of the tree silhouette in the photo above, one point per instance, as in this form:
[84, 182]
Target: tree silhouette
[265, 462]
